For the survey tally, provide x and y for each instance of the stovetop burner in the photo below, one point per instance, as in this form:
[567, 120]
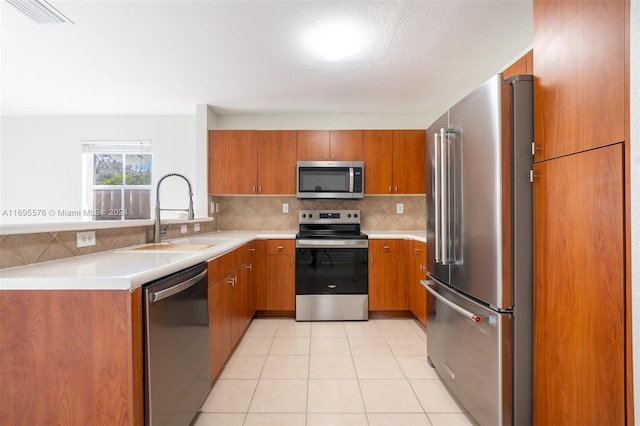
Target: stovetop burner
[330, 224]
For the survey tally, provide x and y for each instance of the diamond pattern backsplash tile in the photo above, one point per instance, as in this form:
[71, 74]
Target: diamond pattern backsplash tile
[24, 249]
[264, 213]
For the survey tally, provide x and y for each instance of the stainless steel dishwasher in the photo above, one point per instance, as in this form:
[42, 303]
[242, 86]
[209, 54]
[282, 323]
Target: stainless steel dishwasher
[176, 347]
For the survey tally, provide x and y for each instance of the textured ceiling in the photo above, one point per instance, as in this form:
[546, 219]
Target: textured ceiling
[165, 57]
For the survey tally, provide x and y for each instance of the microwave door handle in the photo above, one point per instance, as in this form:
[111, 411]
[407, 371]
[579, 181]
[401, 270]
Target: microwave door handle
[436, 198]
[350, 179]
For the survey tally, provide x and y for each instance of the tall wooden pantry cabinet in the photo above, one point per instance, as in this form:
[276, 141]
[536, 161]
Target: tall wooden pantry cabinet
[582, 366]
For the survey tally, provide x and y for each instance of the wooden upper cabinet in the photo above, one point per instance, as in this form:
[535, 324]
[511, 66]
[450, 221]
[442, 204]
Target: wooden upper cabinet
[579, 68]
[523, 65]
[346, 145]
[395, 161]
[378, 161]
[329, 145]
[409, 162]
[312, 145]
[277, 162]
[233, 156]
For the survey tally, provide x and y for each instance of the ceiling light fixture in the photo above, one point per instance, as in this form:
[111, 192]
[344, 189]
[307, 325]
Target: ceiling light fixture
[40, 11]
[337, 40]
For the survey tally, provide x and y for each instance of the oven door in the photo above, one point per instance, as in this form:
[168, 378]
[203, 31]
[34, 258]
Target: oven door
[332, 280]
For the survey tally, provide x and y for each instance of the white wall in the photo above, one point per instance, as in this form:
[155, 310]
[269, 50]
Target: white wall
[635, 197]
[41, 160]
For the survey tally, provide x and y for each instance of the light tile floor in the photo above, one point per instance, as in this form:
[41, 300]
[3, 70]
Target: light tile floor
[373, 373]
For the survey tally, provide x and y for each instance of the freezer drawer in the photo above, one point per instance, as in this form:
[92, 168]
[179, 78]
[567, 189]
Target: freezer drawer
[469, 346]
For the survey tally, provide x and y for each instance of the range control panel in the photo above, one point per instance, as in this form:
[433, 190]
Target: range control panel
[329, 216]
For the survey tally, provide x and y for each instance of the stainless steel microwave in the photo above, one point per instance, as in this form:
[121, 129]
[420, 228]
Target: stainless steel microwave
[330, 179]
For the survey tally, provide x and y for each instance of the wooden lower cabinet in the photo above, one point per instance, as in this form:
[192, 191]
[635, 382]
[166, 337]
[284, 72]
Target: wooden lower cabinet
[417, 257]
[387, 283]
[579, 289]
[276, 286]
[71, 357]
[228, 305]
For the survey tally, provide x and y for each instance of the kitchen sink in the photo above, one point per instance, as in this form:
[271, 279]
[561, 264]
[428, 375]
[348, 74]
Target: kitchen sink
[212, 241]
[181, 244]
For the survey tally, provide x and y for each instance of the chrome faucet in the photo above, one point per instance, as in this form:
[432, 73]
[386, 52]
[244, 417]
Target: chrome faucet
[190, 215]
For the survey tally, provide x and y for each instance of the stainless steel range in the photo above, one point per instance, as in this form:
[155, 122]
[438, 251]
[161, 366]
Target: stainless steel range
[332, 271]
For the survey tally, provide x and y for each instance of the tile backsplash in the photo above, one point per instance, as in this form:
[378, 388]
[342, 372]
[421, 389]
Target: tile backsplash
[25, 249]
[236, 213]
[264, 213]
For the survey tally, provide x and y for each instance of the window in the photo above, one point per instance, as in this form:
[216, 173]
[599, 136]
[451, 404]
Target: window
[117, 180]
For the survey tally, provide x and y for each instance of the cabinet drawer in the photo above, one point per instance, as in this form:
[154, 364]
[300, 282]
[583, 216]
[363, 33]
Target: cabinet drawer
[386, 246]
[416, 248]
[281, 247]
[224, 264]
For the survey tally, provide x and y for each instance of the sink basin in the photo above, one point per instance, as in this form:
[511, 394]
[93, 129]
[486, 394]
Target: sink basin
[212, 241]
[172, 247]
[182, 244]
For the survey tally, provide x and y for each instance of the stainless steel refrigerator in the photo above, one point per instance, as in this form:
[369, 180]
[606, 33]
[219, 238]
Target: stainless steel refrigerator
[479, 248]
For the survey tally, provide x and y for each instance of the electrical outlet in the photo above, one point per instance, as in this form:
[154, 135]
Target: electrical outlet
[217, 207]
[196, 227]
[212, 207]
[183, 229]
[285, 207]
[86, 239]
[400, 208]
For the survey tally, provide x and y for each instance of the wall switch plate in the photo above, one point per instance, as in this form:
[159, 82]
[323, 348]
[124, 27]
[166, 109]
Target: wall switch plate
[400, 208]
[285, 207]
[183, 229]
[86, 239]
[196, 227]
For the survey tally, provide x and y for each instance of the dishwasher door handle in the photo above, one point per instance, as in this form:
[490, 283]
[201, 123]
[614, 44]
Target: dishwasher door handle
[168, 292]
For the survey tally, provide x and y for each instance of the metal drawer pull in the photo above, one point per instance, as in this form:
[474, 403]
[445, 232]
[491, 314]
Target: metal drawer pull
[280, 247]
[332, 286]
[473, 317]
[386, 247]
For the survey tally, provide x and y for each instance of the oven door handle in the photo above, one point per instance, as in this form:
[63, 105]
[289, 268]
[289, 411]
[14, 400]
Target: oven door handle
[309, 243]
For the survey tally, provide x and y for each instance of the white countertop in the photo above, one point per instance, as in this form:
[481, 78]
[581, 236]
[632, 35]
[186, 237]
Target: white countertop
[123, 269]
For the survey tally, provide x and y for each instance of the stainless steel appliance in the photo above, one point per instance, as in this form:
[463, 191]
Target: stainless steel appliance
[332, 270]
[330, 179]
[177, 368]
[479, 244]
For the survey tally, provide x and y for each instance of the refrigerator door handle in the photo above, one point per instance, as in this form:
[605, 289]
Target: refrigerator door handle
[436, 197]
[444, 195]
[428, 284]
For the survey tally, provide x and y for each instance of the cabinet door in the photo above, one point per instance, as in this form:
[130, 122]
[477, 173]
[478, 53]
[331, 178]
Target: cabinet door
[579, 289]
[252, 279]
[276, 289]
[409, 162]
[238, 303]
[219, 324]
[579, 89]
[387, 284]
[312, 145]
[277, 162]
[346, 145]
[378, 161]
[417, 272]
[232, 161]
